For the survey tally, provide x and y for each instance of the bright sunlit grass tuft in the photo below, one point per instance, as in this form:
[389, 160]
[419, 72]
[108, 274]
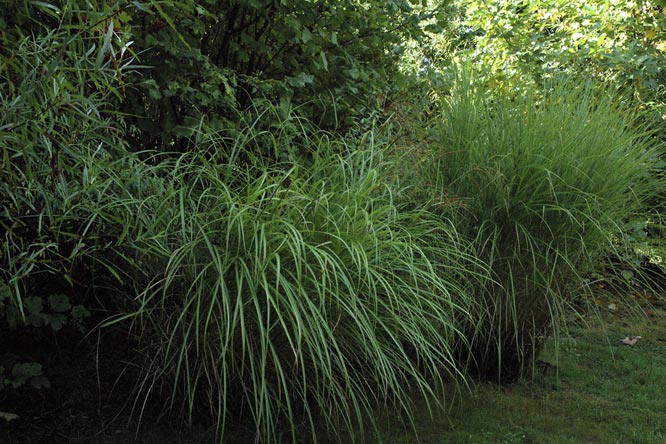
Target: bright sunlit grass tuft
[548, 183]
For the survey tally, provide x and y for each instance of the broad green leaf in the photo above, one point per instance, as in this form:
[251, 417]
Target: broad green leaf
[40, 382]
[8, 416]
[55, 320]
[153, 90]
[59, 303]
[300, 80]
[33, 304]
[79, 312]
[627, 274]
[22, 372]
[306, 35]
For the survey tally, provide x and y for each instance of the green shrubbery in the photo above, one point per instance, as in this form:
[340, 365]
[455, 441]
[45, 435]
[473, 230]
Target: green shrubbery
[272, 273]
[210, 59]
[617, 46]
[57, 131]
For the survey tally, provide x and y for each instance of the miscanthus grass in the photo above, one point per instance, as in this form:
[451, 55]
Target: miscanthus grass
[549, 182]
[283, 296]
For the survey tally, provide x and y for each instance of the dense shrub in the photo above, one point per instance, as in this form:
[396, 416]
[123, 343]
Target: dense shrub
[58, 131]
[207, 60]
[621, 43]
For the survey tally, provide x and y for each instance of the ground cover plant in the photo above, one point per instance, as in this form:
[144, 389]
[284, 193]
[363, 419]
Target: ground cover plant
[210, 59]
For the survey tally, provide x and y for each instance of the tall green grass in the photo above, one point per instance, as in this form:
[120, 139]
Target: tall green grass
[259, 292]
[277, 276]
[57, 134]
[292, 293]
[547, 182]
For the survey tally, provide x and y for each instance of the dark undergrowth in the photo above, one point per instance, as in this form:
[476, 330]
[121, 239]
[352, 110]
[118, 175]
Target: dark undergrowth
[591, 388]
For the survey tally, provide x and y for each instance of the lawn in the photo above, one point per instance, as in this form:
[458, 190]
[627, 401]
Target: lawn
[600, 391]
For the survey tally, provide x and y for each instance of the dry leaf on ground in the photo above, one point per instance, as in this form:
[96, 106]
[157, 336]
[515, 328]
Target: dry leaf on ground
[631, 340]
[8, 416]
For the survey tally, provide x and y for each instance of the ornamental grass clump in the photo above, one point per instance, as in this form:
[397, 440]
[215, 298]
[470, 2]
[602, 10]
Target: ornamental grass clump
[547, 181]
[277, 295]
